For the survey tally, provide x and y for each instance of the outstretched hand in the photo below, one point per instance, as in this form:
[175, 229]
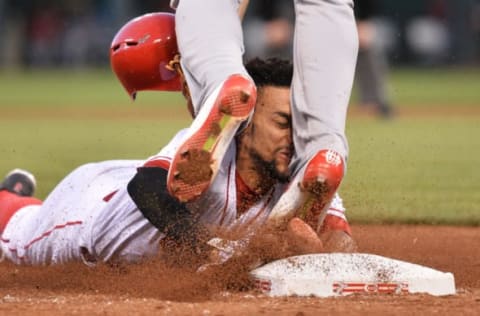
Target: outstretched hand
[297, 238]
[302, 238]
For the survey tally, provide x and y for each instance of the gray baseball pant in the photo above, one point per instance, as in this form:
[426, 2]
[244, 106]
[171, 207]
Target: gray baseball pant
[210, 40]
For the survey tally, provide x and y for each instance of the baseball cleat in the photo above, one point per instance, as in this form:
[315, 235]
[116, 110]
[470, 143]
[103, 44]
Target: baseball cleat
[321, 179]
[197, 160]
[20, 182]
[311, 191]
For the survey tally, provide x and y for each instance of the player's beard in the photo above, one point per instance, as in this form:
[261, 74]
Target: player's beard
[268, 168]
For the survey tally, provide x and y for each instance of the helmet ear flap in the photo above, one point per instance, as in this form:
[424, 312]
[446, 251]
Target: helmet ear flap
[141, 51]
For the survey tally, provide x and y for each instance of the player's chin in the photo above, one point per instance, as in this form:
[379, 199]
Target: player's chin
[282, 161]
[282, 172]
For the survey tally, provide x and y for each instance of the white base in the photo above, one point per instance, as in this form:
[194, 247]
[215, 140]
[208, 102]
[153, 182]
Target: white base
[339, 274]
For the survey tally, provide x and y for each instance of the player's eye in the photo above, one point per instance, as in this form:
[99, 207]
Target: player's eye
[282, 120]
[283, 124]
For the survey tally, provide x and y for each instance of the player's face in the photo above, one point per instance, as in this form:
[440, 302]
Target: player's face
[271, 131]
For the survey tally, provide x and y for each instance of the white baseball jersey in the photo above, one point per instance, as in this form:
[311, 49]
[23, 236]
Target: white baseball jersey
[91, 212]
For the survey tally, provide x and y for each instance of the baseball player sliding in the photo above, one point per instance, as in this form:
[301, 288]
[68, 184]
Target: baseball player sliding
[122, 210]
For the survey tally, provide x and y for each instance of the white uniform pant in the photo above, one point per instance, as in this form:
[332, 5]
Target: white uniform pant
[79, 214]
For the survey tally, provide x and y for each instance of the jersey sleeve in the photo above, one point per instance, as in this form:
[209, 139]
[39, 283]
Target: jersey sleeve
[165, 156]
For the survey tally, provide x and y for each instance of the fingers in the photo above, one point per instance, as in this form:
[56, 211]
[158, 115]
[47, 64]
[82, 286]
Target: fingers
[303, 238]
[338, 241]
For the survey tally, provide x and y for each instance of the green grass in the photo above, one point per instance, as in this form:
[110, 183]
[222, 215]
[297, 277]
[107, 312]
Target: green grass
[434, 87]
[409, 170]
[99, 88]
[77, 89]
[414, 170]
[430, 88]
[52, 148]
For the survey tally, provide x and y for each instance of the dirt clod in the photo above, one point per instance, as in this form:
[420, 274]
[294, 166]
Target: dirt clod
[195, 167]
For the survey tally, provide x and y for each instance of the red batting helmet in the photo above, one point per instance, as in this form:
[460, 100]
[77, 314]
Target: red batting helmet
[142, 49]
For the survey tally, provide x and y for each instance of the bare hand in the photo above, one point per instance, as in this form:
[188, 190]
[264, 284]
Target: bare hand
[302, 238]
[338, 241]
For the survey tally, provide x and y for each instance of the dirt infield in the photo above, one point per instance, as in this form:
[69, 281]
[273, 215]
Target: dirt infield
[149, 288]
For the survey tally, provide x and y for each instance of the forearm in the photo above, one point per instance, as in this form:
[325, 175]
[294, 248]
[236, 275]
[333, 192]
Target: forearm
[149, 192]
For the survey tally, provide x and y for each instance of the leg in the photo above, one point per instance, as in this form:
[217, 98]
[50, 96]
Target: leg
[371, 78]
[16, 192]
[325, 51]
[210, 52]
[10, 203]
[223, 95]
